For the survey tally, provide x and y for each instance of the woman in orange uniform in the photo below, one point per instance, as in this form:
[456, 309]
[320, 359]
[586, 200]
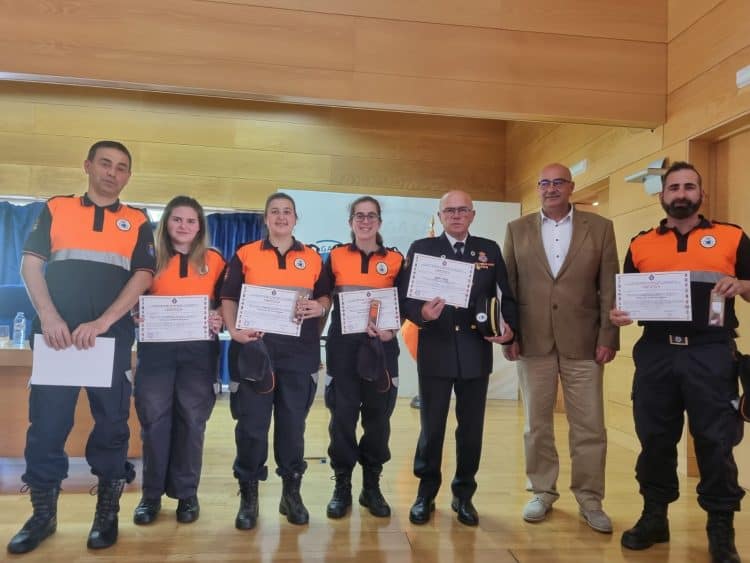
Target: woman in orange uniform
[363, 264]
[175, 381]
[287, 389]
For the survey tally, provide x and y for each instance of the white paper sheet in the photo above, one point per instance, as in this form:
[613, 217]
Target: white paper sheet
[73, 367]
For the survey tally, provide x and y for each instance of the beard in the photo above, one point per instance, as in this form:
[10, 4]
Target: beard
[682, 208]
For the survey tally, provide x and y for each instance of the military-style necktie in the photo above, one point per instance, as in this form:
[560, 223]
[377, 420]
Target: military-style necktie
[458, 248]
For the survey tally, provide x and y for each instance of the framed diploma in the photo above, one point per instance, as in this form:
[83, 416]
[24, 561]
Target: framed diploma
[269, 309]
[432, 276]
[176, 318]
[355, 309]
[655, 296]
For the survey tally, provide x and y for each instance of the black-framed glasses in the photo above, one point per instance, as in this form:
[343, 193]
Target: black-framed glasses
[362, 217]
[556, 183]
[457, 210]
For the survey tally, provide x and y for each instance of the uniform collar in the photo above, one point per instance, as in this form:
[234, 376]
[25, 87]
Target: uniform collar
[86, 202]
[354, 248]
[268, 245]
[702, 224]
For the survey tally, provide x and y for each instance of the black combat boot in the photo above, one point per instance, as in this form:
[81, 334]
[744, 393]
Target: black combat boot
[720, 529]
[247, 516]
[291, 504]
[371, 497]
[41, 525]
[104, 529]
[652, 527]
[342, 495]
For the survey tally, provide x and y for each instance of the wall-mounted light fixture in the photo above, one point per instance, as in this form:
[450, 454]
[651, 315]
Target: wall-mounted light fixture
[650, 177]
[579, 167]
[743, 77]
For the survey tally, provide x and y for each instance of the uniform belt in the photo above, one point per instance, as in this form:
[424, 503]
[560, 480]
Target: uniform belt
[690, 339]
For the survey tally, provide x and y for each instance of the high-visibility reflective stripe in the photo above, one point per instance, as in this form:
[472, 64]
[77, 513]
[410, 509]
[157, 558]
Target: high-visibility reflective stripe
[91, 256]
[706, 277]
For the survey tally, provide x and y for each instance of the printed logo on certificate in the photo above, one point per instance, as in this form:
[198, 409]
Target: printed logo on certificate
[433, 276]
[355, 309]
[173, 318]
[269, 309]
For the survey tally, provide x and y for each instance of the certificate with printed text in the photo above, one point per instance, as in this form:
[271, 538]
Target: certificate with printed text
[354, 307]
[174, 318]
[432, 276]
[268, 309]
[655, 296]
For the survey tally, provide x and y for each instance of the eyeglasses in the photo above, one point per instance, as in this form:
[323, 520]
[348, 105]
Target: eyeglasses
[456, 211]
[362, 217]
[556, 183]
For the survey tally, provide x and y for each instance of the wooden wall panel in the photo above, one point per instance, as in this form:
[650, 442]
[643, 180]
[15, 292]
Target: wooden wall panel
[233, 154]
[709, 41]
[292, 54]
[643, 20]
[709, 100]
[681, 14]
[490, 55]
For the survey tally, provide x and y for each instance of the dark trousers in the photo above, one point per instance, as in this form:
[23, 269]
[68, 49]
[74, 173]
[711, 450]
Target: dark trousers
[289, 403]
[471, 399]
[174, 397]
[701, 380]
[346, 397]
[51, 414]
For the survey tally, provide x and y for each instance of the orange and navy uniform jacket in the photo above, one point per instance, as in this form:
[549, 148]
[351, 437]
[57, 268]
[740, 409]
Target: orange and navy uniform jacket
[91, 254]
[710, 252]
[180, 277]
[260, 263]
[350, 269]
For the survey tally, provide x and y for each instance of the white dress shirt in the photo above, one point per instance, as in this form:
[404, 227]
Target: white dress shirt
[556, 237]
[453, 242]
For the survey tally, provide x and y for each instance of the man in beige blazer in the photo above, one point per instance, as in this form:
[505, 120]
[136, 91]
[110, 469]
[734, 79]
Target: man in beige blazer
[561, 267]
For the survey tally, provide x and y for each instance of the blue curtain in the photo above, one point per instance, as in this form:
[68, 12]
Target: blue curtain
[227, 232]
[15, 223]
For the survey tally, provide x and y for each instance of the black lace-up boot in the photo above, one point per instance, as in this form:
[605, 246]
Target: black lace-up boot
[342, 495]
[291, 504]
[247, 516]
[104, 529]
[41, 525]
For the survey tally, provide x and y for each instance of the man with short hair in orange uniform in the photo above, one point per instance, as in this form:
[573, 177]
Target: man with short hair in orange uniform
[689, 365]
[283, 262]
[365, 263]
[85, 263]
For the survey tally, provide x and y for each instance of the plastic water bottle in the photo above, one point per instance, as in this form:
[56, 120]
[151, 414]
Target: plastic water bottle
[19, 330]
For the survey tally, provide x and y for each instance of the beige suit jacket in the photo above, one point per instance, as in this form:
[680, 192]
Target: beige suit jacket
[569, 312]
